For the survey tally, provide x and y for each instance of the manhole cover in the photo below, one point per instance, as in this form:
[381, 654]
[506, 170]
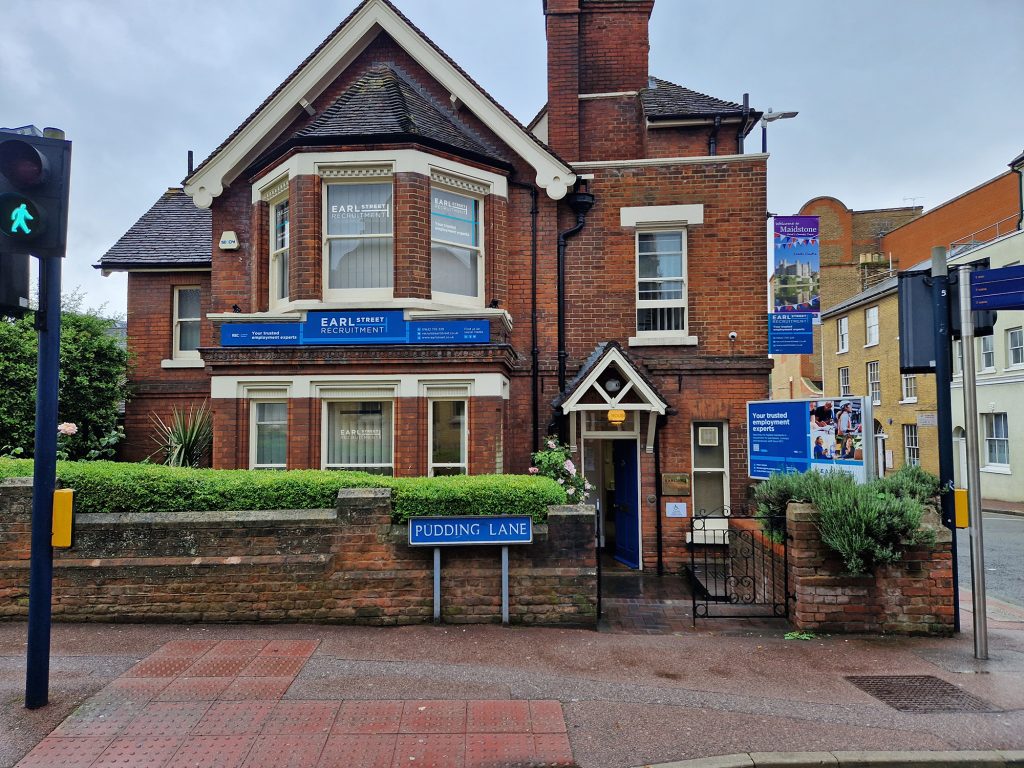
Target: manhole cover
[919, 693]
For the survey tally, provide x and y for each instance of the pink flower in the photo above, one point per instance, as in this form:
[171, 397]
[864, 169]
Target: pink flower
[534, 470]
[67, 428]
[570, 467]
[570, 491]
[551, 444]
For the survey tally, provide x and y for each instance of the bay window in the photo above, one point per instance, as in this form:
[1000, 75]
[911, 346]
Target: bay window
[360, 436]
[279, 248]
[359, 236]
[661, 283]
[456, 252]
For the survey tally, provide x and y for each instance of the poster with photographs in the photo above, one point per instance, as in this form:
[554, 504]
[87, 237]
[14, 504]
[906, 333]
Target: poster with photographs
[837, 435]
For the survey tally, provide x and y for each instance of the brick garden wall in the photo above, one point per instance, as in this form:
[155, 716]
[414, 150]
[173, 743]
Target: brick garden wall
[913, 596]
[342, 565]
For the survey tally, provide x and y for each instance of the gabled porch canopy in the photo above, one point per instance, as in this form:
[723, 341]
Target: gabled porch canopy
[610, 380]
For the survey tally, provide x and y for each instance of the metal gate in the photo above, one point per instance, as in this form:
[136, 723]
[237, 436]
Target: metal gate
[738, 564]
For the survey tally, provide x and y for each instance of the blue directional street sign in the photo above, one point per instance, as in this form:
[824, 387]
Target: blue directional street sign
[1001, 288]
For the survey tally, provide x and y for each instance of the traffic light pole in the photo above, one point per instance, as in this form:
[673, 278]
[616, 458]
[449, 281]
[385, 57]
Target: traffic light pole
[37, 676]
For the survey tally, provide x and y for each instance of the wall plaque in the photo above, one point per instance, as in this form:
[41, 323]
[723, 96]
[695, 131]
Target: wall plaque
[675, 484]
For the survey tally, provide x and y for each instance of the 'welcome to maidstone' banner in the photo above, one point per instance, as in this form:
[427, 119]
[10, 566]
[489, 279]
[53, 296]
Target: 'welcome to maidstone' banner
[795, 283]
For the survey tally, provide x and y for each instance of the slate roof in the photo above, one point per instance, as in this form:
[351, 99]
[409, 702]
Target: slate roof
[591, 362]
[173, 233]
[663, 100]
[882, 288]
[386, 102]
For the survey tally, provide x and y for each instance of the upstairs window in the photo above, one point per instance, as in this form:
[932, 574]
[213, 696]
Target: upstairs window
[279, 240]
[874, 383]
[359, 236]
[986, 353]
[456, 253]
[870, 326]
[661, 283]
[1015, 347]
[843, 334]
[909, 388]
[186, 322]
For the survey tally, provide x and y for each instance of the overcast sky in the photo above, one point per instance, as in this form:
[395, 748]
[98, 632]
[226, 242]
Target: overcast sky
[901, 101]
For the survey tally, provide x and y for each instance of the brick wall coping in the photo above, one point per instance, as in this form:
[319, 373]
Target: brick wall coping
[17, 482]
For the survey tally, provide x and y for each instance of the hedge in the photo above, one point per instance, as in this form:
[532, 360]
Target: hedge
[115, 487]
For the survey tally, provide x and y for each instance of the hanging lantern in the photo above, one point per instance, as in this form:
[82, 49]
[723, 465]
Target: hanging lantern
[616, 417]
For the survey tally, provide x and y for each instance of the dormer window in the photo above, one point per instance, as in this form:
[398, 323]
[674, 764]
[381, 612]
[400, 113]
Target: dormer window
[359, 240]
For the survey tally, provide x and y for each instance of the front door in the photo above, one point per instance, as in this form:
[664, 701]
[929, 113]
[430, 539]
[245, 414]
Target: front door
[627, 512]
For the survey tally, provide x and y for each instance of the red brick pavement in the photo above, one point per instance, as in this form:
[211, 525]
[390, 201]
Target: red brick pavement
[221, 705]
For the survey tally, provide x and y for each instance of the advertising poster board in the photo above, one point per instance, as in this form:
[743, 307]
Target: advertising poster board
[798, 435]
[795, 285]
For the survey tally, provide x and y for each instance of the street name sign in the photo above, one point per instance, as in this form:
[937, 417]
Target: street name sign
[466, 531]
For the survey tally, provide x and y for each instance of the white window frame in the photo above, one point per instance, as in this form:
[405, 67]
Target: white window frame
[254, 432]
[470, 191]
[871, 324]
[842, 335]
[177, 352]
[874, 384]
[844, 382]
[325, 436]
[674, 334]
[431, 464]
[990, 420]
[958, 357]
[1011, 347]
[908, 385]
[911, 445]
[986, 348]
[356, 177]
[276, 254]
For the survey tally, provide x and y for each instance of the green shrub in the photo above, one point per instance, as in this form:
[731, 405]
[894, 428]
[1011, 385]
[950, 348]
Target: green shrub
[185, 441]
[104, 486]
[867, 525]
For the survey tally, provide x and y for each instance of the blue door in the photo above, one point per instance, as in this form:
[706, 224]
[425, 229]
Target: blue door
[627, 514]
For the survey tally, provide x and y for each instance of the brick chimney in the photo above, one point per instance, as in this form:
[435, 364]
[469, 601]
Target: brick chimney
[594, 46]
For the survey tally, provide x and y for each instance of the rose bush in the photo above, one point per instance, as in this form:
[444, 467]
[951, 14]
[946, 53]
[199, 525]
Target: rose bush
[555, 461]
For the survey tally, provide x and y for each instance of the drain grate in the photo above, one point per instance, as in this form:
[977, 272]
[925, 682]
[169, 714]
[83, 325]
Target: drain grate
[919, 693]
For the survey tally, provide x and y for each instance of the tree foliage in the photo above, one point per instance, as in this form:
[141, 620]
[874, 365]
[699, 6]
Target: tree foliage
[93, 383]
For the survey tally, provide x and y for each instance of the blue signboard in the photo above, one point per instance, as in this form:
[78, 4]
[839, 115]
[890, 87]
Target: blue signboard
[798, 435]
[464, 531]
[1001, 288]
[790, 333]
[360, 327]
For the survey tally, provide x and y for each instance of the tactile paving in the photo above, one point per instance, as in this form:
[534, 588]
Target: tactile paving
[553, 749]
[194, 689]
[167, 719]
[360, 751]
[234, 718]
[498, 717]
[500, 750]
[273, 666]
[161, 666]
[920, 693]
[194, 648]
[285, 751]
[368, 717]
[217, 666]
[290, 648]
[433, 717]
[103, 718]
[212, 752]
[301, 717]
[256, 688]
[435, 750]
[547, 717]
[140, 752]
[52, 752]
[238, 648]
[141, 689]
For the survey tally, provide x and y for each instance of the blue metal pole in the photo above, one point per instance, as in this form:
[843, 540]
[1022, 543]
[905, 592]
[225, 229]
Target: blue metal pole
[37, 676]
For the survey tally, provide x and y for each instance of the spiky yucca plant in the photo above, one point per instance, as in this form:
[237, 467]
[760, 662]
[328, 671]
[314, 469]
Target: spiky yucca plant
[187, 439]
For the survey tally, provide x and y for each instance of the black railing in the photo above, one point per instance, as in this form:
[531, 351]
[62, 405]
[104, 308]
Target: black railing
[738, 565]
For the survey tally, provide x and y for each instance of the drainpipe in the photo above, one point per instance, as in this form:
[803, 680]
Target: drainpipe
[1017, 166]
[657, 488]
[581, 203]
[534, 343]
[743, 124]
[713, 138]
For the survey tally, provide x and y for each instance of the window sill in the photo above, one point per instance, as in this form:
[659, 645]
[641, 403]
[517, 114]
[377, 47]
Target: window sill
[196, 362]
[843, 351]
[663, 341]
[908, 401]
[1019, 367]
[997, 469]
[872, 344]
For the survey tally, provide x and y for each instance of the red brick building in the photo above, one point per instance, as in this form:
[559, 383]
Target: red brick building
[381, 269]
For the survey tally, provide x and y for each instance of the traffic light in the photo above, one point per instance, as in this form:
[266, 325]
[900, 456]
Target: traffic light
[35, 168]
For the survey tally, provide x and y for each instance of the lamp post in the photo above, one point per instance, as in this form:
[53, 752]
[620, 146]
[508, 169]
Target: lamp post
[770, 117]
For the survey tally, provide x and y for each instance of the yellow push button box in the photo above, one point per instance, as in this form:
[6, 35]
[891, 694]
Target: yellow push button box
[63, 517]
[960, 508]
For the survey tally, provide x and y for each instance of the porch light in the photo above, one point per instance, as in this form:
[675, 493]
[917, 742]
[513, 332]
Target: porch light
[616, 417]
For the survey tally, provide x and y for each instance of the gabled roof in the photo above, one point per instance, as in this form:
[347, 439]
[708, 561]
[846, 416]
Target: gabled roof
[321, 68]
[663, 100]
[385, 103]
[606, 354]
[173, 233]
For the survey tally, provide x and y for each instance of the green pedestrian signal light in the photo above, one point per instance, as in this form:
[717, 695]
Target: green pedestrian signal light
[34, 179]
[20, 218]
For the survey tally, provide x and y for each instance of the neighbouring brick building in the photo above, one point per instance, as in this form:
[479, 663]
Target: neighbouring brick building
[381, 269]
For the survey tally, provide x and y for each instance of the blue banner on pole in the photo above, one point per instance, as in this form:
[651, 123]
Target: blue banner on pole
[790, 333]
[1001, 288]
[465, 531]
[362, 327]
[796, 279]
